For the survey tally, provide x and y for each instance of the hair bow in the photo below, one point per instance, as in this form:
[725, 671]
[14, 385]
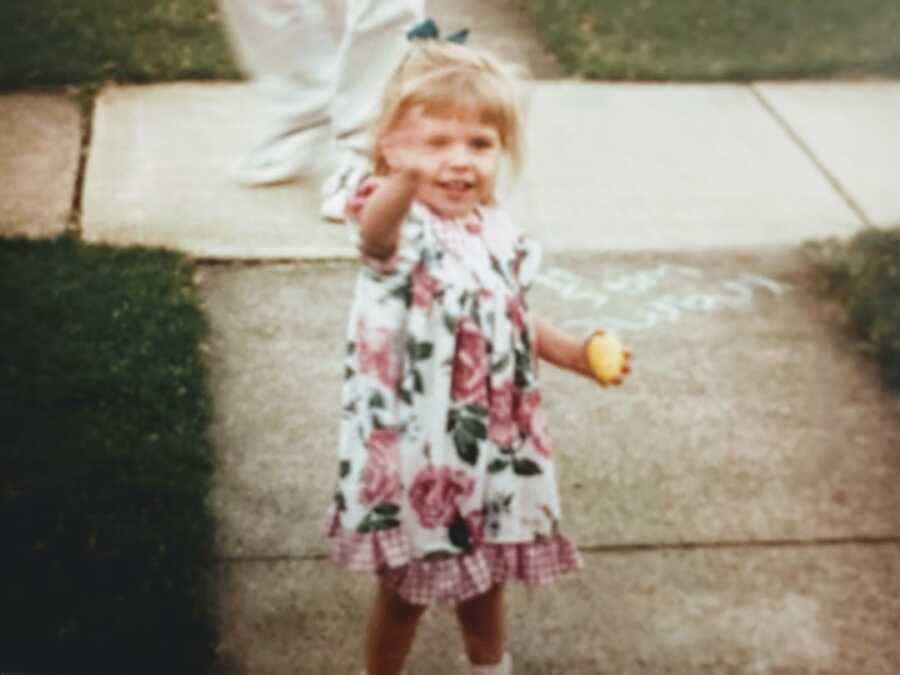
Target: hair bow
[428, 30]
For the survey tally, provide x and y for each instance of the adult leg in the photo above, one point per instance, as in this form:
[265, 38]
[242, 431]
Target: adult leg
[374, 41]
[482, 623]
[392, 627]
[289, 48]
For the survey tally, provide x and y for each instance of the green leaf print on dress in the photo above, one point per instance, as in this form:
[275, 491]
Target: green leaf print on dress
[440, 333]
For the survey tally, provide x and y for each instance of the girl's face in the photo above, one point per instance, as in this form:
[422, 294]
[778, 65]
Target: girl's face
[456, 157]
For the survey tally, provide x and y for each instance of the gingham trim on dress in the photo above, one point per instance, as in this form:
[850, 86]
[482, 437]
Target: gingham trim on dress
[456, 578]
[370, 552]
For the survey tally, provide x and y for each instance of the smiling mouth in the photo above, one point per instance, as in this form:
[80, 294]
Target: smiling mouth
[457, 186]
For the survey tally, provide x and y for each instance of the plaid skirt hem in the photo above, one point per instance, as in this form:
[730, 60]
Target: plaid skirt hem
[453, 579]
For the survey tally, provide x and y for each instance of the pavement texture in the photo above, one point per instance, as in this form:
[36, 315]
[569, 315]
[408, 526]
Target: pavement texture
[739, 489]
[845, 126]
[142, 185]
[824, 609]
[40, 142]
[666, 167]
[735, 502]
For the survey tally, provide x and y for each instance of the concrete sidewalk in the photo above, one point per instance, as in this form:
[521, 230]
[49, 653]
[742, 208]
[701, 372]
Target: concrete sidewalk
[736, 502]
[740, 489]
[646, 167]
[609, 167]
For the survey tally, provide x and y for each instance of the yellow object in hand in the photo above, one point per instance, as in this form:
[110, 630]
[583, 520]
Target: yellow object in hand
[606, 357]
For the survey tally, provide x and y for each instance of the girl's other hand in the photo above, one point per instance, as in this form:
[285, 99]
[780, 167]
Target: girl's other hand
[606, 359]
[581, 356]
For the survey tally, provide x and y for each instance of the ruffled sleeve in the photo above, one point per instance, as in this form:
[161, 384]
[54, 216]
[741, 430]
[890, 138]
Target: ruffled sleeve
[520, 254]
[408, 246]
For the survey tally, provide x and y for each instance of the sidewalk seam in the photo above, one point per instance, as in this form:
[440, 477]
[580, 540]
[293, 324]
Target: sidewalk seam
[723, 545]
[635, 548]
[808, 151]
[86, 116]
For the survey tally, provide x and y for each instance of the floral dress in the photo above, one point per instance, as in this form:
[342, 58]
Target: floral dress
[446, 482]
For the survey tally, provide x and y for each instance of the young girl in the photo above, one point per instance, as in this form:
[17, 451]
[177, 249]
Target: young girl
[447, 487]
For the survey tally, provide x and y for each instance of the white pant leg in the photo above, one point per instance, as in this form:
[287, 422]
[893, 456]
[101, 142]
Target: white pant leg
[290, 47]
[373, 42]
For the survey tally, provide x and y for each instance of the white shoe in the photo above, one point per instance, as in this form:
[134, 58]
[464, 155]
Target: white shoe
[280, 158]
[338, 189]
[502, 668]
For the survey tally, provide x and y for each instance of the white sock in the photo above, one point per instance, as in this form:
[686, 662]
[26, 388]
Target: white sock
[502, 668]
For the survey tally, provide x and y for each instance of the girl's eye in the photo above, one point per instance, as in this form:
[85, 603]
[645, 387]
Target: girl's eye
[436, 141]
[482, 143]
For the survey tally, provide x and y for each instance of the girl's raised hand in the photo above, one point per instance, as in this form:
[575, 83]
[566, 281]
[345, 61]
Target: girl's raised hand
[404, 145]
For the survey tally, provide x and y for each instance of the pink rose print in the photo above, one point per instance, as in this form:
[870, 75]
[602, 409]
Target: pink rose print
[381, 475]
[539, 435]
[383, 442]
[358, 199]
[521, 254]
[378, 354]
[436, 494]
[470, 365]
[515, 310]
[533, 422]
[424, 286]
[502, 429]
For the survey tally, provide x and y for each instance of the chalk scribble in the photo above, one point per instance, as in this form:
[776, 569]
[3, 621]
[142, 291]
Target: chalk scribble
[705, 295]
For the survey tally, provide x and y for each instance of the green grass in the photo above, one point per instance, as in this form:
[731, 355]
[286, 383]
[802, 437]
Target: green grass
[721, 39]
[108, 541]
[55, 42]
[863, 276]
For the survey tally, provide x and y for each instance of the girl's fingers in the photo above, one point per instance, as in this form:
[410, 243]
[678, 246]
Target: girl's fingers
[399, 158]
[402, 150]
[398, 139]
[396, 150]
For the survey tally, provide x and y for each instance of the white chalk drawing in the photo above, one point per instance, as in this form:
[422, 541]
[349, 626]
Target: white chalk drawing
[650, 311]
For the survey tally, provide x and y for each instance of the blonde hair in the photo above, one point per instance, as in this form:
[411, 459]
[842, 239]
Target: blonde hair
[449, 80]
